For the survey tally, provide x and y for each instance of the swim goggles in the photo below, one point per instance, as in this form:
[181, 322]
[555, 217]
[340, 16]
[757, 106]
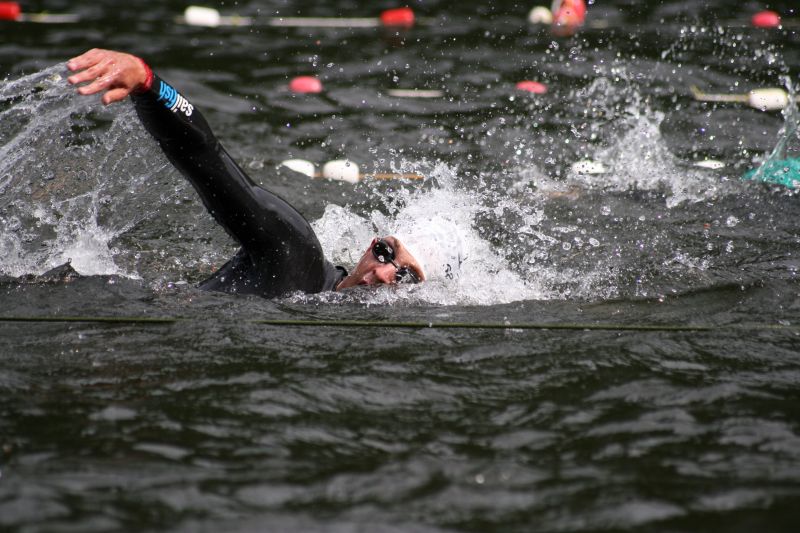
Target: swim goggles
[384, 253]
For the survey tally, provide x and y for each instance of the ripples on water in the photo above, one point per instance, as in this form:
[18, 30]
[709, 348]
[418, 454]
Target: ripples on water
[219, 423]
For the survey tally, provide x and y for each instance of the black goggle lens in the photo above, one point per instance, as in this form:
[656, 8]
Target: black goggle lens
[384, 253]
[405, 275]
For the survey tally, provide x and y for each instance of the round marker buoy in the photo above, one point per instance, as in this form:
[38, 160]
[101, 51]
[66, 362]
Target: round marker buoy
[534, 87]
[341, 170]
[10, 11]
[768, 99]
[401, 17]
[202, 16]
[540, 15]
[570, 13]
[305, 85]
[588, 166]
[302, 166]
[766, 19]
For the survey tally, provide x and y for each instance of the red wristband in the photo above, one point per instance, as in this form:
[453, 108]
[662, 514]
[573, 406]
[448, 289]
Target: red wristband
[148, 81]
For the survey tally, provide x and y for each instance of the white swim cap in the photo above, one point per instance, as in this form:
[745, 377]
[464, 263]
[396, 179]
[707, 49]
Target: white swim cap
[436, 244]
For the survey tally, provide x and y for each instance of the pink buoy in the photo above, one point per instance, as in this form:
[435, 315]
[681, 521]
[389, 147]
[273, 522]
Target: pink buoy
[305, 85]
[402, 17]
[766, 19]
[570, 13]
[534, 87]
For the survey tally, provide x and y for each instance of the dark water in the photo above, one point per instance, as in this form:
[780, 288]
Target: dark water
[219, 422]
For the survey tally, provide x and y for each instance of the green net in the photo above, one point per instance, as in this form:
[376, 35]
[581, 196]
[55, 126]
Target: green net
[781, 171]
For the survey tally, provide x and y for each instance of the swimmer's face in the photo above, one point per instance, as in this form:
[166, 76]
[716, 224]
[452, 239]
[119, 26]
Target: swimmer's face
[371, 270]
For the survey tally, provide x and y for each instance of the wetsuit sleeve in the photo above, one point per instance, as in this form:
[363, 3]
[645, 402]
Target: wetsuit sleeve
[272, 232]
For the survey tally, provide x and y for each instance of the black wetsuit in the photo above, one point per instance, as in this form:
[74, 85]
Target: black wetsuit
[280, 252]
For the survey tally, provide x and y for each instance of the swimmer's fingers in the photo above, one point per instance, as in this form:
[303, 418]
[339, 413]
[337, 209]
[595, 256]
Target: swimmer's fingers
[115, 95]
[102, 83]
[87, 59]
[91, 73]
[106, 70]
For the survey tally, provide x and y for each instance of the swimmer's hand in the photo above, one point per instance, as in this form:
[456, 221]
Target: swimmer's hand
[116, 73]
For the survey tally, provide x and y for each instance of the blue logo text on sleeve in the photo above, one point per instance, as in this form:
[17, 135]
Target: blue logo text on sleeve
[173, 100]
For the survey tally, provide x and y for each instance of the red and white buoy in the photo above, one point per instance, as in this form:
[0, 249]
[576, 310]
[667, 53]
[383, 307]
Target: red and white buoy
[401, 17]
[12, 11]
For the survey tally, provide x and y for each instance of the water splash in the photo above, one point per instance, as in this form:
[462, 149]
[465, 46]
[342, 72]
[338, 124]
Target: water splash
[71, 176]
[641, 160]
[503, 249]
[517, 243]
[634, 150]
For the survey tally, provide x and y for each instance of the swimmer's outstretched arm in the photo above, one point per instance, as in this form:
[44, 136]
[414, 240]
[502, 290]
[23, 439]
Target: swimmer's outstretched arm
[273, 233]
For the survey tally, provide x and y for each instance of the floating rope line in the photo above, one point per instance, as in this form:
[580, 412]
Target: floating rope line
[480, 325]
[555, 326]
[95, 319]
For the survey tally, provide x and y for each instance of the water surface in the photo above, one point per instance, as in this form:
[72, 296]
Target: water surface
[219, 422]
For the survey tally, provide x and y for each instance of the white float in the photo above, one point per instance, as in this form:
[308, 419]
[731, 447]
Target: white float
[341, 170]
[540, 15]
[300, 165]
[415, 93]
[711, 164]
[202, 16]
[768, 99]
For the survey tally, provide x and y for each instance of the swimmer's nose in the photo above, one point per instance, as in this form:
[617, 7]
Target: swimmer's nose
[384, 274]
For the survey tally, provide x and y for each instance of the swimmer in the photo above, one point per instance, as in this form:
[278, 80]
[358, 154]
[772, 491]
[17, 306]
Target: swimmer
[279, 251]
